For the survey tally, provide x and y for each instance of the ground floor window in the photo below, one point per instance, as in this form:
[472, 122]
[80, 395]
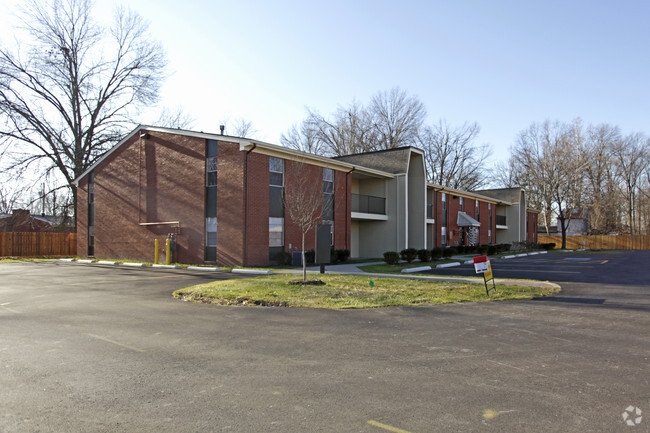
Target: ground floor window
[211, 232]
[276, 232]
[443, 236]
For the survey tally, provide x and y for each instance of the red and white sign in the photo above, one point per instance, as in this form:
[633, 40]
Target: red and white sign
[481, 264]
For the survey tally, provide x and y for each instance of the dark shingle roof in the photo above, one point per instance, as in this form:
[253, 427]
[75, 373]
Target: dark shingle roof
[394, 161]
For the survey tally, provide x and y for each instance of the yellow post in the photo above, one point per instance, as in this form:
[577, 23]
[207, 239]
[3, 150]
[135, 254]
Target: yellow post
[156, 254]
[168, 252]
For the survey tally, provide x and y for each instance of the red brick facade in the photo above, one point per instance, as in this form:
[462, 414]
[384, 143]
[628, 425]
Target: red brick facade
[469, 207]
[154, 183]
[138, 189]
[149, 182]
[531, 226]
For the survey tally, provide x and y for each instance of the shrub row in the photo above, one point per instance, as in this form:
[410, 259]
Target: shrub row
[336, 256]
[410, 254]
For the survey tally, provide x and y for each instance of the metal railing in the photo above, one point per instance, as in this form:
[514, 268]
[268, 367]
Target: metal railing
[368, 204]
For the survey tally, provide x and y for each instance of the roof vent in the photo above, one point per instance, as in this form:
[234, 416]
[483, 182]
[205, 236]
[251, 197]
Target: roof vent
[222, 127]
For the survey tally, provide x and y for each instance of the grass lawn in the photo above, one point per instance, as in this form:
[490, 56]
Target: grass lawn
[349, 292]
[27, 259]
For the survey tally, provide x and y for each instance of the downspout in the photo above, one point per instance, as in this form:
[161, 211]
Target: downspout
[246, 203]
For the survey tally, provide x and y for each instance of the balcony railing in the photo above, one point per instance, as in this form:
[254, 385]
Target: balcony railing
[430, 211]
[501, 220]
[368, 204]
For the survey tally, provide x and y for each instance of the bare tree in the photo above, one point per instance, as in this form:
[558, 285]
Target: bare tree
[303, 199]
[549, 160]
[452, 159]
[11, 198]
[601, 193]
[175, 118]
[392, 119]
[503, 175]
[348, 130]
[71, 92]
[304, 139]
[631, 159]
[397, 118]
[240, 128]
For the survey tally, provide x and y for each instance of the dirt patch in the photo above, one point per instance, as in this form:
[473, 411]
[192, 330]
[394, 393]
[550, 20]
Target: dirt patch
[241, 300]
[308, 282]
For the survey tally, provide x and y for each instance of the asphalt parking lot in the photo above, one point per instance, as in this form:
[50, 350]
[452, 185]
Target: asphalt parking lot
[92, 348]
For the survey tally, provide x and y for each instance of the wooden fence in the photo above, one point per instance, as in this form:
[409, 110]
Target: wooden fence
[604, 242]
[37, 244]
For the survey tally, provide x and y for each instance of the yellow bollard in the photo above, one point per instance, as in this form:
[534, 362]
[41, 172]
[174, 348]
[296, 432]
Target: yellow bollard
[168, 251]
[156, 254]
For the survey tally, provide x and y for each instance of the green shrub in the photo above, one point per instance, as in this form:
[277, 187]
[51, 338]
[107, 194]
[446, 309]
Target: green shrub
[491, 250]
[436, 253]
[424, 255]
[548, 246]
[409, 254]
[283, 258]
[449, 251]
[502, 248]
[310, 257]
[461, 249]
[391, 257]
[482, 249]
[342, 256]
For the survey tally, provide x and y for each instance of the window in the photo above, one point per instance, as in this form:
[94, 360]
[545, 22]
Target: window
[211, 171]
[328, 180]
[276, 232]
[444, 210]
[328, 195]
[276, 172]
[276, 190]
[211, 232]
[462, 204]
[478, 211]
[489, 223]
[443, 233]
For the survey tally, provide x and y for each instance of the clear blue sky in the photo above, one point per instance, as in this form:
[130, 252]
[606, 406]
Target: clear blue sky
[503, 64]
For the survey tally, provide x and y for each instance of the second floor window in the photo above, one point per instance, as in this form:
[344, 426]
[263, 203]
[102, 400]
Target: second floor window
[276, 171]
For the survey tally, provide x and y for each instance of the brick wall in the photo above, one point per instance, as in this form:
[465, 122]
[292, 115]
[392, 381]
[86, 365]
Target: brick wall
[159, 179]
[82, 217]
[257, 224]
[485, 219]
[230, 204]
[292, 234]
[453, 232]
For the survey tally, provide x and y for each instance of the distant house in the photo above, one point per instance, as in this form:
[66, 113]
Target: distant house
[20, 220]
[577, 224]
[221, 197]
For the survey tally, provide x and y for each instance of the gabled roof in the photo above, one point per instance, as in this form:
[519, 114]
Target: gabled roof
[394, 161]
[513, 195]
[465, 220]
[245, 144]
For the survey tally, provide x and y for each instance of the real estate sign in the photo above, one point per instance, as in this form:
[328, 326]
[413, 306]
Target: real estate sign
[482, 266]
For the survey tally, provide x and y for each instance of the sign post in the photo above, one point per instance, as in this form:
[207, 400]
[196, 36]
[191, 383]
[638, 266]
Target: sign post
[482, 265]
